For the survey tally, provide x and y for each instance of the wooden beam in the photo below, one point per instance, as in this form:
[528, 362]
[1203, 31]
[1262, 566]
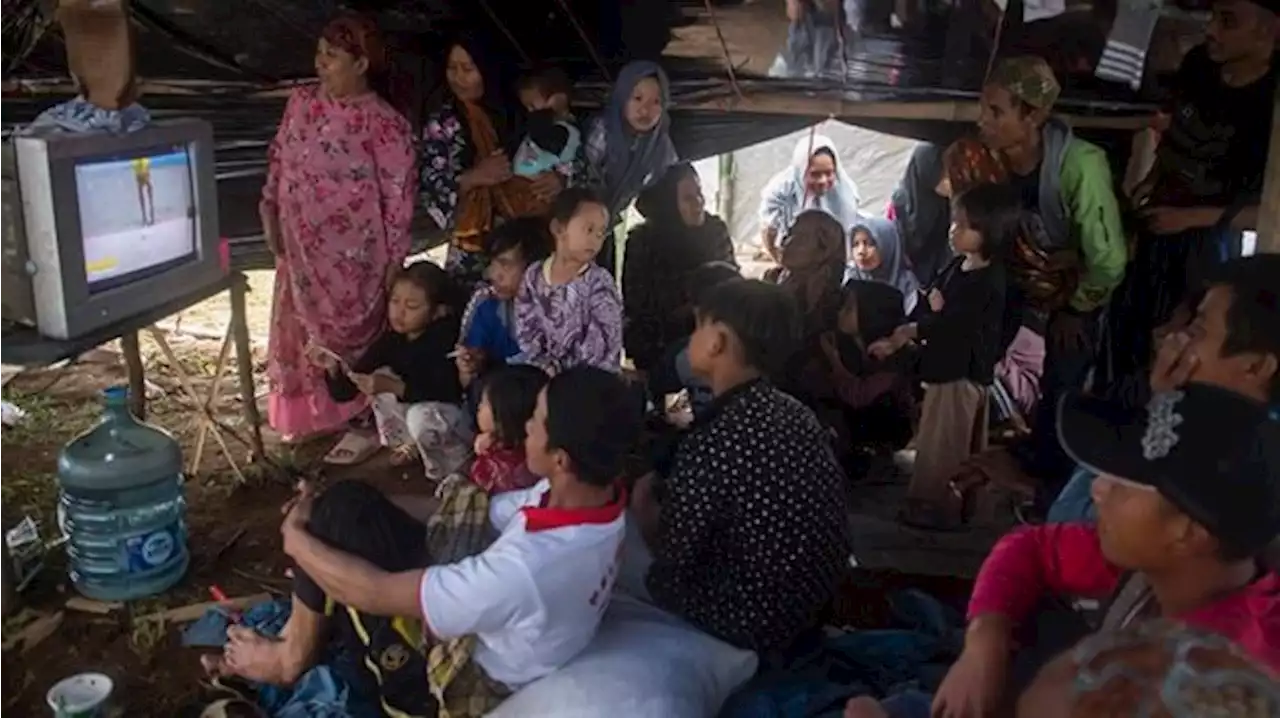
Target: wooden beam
[966, 111]
[1269, 211]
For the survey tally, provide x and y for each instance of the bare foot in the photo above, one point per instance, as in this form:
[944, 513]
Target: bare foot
[251, 655]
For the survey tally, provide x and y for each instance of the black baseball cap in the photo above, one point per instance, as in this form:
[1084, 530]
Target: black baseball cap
[1212, 453]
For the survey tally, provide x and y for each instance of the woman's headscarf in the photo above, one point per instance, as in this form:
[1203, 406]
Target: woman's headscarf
[923, 215]
[680, 244]
[785, 196]
[893, 269]
[633, 160]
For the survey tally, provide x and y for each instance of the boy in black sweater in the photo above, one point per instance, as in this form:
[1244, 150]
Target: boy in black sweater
[960, 337]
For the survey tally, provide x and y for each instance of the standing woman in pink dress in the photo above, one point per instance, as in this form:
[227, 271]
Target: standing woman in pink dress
[336, 211]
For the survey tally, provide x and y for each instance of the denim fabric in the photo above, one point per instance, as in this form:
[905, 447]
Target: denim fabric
[901, 663]
[1075, 503]
[322, 692]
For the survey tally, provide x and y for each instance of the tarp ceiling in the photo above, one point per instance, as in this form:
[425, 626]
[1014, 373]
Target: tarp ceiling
[242, 45]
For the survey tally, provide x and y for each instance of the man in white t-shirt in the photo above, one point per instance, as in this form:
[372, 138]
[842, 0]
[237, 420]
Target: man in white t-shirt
[534, 598]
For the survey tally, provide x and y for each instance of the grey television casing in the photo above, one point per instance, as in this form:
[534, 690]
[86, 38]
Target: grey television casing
[45, 278]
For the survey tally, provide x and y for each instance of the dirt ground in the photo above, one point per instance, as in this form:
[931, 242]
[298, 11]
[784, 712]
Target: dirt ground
[232, 526]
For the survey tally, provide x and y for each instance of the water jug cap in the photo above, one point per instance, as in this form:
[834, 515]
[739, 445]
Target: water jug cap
[116, 394]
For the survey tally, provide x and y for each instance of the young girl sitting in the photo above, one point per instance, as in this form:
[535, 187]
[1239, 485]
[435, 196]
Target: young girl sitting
[569, 311]
[507, 402]
[960, 333]
[866, 401]
[409, 376]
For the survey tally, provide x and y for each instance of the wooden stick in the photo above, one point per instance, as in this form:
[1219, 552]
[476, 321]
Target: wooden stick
[193, 612]
[211, 402]
[137, 375]
[244, 365]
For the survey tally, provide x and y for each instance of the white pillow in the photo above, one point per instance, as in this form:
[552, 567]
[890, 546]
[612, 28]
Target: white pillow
[643, 663]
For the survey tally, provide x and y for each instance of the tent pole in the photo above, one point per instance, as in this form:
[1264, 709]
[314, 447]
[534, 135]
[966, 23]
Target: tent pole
[1269, 212]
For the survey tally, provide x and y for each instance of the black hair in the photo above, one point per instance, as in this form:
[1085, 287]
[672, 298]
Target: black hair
[512, 392]
[994, 211]
[436, 283]
[550, 80]
[764, 317]
[529, 235]
[568, 203]
[354, 517]
[707, 276]
[1253, 319]
[594, 418]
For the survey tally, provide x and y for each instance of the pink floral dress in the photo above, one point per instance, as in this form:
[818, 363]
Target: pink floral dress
[341, 180]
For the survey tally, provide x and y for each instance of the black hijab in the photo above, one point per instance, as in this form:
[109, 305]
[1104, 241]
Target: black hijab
[923, 216]
[684, 248]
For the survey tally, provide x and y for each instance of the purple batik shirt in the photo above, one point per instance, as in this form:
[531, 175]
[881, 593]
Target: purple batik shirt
[574, 324]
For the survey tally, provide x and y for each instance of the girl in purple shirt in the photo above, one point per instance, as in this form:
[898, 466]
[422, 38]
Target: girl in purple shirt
[569, 311]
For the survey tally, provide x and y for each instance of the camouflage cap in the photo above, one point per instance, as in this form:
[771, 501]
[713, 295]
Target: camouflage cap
[1028, 78]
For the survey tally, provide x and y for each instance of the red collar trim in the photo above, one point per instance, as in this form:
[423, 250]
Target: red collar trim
[540, 518]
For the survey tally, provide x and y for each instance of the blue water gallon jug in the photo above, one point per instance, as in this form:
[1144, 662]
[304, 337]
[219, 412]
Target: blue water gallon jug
[122, 506]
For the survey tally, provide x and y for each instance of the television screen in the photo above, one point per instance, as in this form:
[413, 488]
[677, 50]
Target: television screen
[137, 214]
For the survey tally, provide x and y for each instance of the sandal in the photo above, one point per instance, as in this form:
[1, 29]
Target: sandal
[352, 449]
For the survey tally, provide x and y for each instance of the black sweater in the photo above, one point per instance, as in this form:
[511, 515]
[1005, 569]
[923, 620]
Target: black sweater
[962, 342]
[422, 364]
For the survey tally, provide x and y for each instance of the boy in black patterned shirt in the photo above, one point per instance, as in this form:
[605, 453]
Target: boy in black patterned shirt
[750, 530]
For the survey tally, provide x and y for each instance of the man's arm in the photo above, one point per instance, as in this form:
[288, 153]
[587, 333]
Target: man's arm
[352, 581]
[1095, 219]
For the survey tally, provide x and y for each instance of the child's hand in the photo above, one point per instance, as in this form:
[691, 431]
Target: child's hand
[884, 348]
[385, 381]
[322, 358]
[363, 382]
[936, 302]
[469, 360]
[484, 443]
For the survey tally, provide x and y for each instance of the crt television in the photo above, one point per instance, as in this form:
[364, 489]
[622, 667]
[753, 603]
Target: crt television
[99, 226]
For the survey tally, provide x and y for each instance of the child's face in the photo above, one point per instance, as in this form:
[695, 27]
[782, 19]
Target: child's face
[539, 460]
[582, 236]
[964, 238]
[505, 272]
[534, 99]
[408, 310]
[644, 107]
[866, 255]
[484, 415]
[707, 346]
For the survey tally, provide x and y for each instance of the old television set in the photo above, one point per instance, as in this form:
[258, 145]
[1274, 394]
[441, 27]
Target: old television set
[99, 227]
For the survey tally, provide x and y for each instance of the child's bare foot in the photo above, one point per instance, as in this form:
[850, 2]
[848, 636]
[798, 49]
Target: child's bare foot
[251, 655]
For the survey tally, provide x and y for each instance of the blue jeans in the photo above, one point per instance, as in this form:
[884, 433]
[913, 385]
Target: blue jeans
[1075, 503]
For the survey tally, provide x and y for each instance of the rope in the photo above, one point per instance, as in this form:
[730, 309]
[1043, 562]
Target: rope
[724, 47]
[586, 40]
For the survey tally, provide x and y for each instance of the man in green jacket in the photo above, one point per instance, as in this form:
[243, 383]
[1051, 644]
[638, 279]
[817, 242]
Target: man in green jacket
[1066, 187]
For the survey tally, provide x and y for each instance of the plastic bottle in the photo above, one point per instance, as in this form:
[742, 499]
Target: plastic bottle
[123, 506]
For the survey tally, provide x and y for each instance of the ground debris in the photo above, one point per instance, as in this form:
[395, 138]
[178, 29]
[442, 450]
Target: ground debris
[35, 632]
[193, 611]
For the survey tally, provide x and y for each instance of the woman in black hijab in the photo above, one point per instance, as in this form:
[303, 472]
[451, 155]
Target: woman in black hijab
[676, 238]
[923, 216]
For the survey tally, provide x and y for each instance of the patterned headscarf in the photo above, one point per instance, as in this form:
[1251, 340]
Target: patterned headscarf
[1028, 78]
[358, 35]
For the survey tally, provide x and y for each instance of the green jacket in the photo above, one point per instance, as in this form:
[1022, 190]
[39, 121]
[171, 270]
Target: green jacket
[1093, 216]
